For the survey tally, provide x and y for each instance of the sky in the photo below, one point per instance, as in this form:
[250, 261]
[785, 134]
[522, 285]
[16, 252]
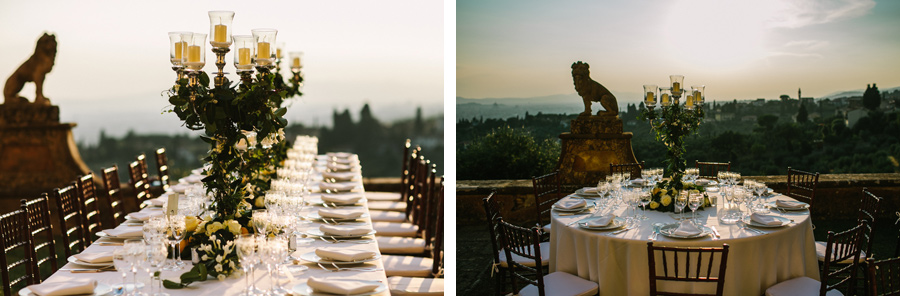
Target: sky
[737, 49]
[112, 61]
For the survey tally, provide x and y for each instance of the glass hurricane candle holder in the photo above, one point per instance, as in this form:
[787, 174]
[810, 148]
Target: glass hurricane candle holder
[196, 52]
[296, 58]
[220, 28]
[265, 39]
[279, 50]
[665, 96]
[699, 94]
[650, 91]
[177, 42]
[677, 84]
[244, 51]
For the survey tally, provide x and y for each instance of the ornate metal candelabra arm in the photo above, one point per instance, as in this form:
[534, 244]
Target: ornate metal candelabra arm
[220, 63]
[179, 73]
[246, 76]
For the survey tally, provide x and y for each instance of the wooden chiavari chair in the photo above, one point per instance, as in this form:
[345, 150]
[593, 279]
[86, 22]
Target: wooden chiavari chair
[883, 277]
[139, 183]
[868, 210]
[841, 247]
[90, 208]
[70, 220]
[547, 192]
[435, 284]
[634, 169]
[710, 170]
[16, 243]
[691, 269]
[162, 168]
[44, 244]
[114, 194]
[418, 217]
[406, 192]
[802, 185]
[378, 196]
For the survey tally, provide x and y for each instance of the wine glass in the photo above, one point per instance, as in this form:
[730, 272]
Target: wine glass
[260, 222]
[246, 248]
[273, 252]
[681, 200]
[135, 254]
[646, 196]
[121, 263]
[696, 200]
[175, 233]
[157, 253]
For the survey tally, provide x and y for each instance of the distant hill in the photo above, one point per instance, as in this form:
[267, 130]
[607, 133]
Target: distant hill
[855, 93]
[511, 107]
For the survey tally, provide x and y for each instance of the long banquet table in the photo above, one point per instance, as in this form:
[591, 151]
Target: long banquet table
[235, 285]
[618, 262]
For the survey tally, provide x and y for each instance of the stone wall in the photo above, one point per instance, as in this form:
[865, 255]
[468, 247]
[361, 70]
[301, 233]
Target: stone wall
[837, 196]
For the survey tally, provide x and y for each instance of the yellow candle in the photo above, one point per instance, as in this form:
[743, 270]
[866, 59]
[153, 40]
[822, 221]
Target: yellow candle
[193, 53]
[651, 98]
[262, 50]
[179, 50]
[221, 35]
[665, 99]
[278, 53]
[676, 87]
[243, 56]
[690, 101]
[296, 63]
[697, 95]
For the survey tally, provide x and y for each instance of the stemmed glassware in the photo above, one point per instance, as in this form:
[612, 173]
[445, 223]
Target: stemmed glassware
[135, 255]
[681, 200]
[121, 263]
[272, 252]
[247, 254]
[261, 222]
[645, 198]
[175, 233]
[696, 200]
[157, 253]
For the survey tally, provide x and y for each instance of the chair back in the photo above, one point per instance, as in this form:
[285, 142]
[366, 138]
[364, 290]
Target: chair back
[139, 183]
[492, 211]
[43, 243]
[162, 168]
[687, 265]
[419, 193]
[839, 248]
[409, 191]
[632, 168]
[17, 252]
[883, 277]
[546, 193]
[113, 194]
[802, 185]
[431, 204]
[90, 206]
[523, 242]
[869, 205]
[710, 170]
[437, 247]
[70, 220]
[404, 170]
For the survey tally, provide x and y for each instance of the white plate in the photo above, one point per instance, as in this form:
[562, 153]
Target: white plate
[304, 290]
[74, 260]
[100, 289]
[578, 209]
[784, 221]
[312, 257]
[615, 223]
[708, 184]
[580, 193]
[803, 208]
[317, 232]
[666, 230]
[316, 216]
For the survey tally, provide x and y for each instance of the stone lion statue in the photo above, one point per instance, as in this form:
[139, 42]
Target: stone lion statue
[591, 91]
[34, 69]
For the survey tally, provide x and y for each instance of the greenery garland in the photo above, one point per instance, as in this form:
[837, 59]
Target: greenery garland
[671, 125]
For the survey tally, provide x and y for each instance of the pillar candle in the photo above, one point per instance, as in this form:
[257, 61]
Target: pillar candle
[193, 53]
[278, 53]
[665, 99]
[689, 102]
[221, 34]
[696, 96]
[263, 51]
[676, 87]
[179, 50]
[243, 56]
[651, 97]
[296, 63]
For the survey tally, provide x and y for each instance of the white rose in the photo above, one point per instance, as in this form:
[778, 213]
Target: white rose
[220, 277]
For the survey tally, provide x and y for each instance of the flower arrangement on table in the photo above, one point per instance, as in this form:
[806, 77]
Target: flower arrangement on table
[231, 117]
[662, 197]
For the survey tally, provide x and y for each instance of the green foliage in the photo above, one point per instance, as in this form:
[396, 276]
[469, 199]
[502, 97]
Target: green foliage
[506, 153]
[802, 114]
[197, 274]
[871, 98]
[671, 125]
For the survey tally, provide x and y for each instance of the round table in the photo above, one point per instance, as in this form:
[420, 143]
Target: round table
[618, 262]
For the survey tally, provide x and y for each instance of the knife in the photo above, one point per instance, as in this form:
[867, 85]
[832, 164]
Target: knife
[716, 232]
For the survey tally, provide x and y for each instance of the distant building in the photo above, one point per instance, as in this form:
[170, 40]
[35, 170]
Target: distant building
[852, 116]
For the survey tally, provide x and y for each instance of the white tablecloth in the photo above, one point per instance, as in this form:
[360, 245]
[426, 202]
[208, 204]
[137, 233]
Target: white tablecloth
[619, 262]
[234, 285]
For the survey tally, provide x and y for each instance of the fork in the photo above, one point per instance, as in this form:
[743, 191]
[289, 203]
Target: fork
[757, 231]
[354, 268]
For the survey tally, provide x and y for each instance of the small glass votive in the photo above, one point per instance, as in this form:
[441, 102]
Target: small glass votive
[196, 52]
[265, 39]
[665, 96]
[278, 51]
[699, 94]
[296, 60]
[177, 42]
[677, 84]
[650, 91]
[220, 28]
[244, 50]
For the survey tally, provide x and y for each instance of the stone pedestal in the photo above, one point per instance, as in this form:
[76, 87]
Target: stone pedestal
[593, 144]
[37, 152]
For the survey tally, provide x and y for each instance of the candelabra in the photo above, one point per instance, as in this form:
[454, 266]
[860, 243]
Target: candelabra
[674, 121]
[296, 66]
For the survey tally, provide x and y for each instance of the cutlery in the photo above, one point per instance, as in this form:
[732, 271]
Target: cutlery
[109, 244]
[655, 234]
[576, 221]
[90, 270]
[757, 231]
[716, 232]
[354, 268]
[621, 231]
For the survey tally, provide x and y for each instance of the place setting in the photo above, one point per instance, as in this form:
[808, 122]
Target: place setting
[315, 286]
[80, 286]
[342, 232]
[572, 206]
[337, 216]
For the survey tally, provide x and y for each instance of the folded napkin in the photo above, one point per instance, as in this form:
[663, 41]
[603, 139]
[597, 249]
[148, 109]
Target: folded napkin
[340, 154]
[702, 182]
[339, 175]
[348, 161]
[145, 216]
[637, 181]
[345, 230]
[600, 221]
[340, 287]
[95, 257]
[342, 186]
[346, 255]
[570, 203]
[340, 214]
[192, 178]
[591, 190]
[340, 167]
[341, 199]
[790, 204]
[125, 232]
[687, 228]
[765, 219]
[68, 287]
[180, 187]
[160, 201]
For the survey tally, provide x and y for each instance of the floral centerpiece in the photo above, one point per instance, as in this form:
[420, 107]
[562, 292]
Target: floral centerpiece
[662, 197]
[671, 124]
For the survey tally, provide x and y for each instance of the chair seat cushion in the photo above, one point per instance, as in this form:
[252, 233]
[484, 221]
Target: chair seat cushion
[387, 216]
[407, 266]
[395, 229]
[382, 196]
[394, 206]
[401, 286]
[562, 284]
[545, 254]
[799, 286]
[820, 254]
[401, 245]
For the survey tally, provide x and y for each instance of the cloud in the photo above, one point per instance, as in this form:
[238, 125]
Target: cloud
[806, 44]
[802, 13]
